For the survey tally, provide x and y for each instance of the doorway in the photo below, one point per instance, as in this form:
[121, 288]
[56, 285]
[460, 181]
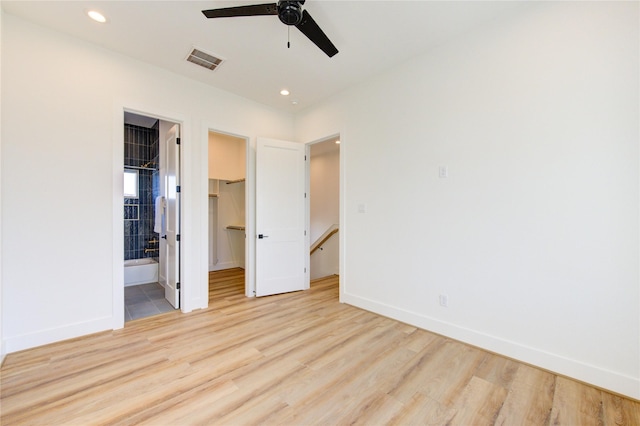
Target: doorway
[227, 194]
[324, 207]
[245, 221]
[151, 216]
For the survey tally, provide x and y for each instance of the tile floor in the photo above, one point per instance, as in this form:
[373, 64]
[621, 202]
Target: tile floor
[144, 300]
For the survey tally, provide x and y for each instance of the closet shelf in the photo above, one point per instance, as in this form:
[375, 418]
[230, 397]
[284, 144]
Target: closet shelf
[235, 181]
[213, 195]
[236, 227]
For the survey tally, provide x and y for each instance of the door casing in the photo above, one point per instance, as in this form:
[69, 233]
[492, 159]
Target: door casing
[117, 212]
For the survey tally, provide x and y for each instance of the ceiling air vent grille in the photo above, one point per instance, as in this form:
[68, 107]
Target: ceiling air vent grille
[204, 59]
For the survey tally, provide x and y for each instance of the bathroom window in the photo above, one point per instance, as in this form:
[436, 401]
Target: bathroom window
[130, 184]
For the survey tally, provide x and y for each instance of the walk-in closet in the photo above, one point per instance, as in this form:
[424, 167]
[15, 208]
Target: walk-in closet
[227, 171]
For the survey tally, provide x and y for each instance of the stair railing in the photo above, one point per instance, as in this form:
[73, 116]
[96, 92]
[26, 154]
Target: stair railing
[333, 229]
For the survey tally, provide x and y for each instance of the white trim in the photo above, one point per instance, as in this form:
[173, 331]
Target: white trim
[52, 335]
[226, 265]
[616, 382]
[187, 302]
[249, 194]
[250, 216]
[342, 216]
[307, 214]
[117, 320]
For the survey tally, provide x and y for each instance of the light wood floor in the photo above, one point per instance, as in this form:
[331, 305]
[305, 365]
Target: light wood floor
[293, 359]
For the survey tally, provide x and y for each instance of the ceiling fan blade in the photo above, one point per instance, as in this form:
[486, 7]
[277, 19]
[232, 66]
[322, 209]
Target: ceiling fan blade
[313, 32]
[251, 10]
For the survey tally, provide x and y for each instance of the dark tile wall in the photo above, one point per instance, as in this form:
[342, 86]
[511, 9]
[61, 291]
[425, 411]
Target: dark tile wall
[141, 149]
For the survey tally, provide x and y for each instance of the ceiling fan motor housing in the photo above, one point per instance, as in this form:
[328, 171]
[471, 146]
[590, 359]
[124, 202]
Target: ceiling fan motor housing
[290, 12]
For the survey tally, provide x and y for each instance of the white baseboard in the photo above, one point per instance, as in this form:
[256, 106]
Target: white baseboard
[596, 376]
[52, 335]
[224, 265]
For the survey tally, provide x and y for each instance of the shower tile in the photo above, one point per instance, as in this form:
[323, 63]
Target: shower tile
[128, 244]
[131, 212]
[141, 147]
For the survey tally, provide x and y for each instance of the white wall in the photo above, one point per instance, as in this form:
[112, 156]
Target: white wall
[227, 157]
[324, 180]
[62, 104]
[534, 234]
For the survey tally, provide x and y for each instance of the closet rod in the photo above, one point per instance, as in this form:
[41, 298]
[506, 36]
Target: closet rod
[140, 168]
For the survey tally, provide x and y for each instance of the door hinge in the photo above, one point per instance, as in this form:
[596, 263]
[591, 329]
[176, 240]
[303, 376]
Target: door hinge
[177, 141]
[178, 237]
[305, 195]
[305, 232]
[178, 188]
[305, 158]
[177, 286]
[305, 270]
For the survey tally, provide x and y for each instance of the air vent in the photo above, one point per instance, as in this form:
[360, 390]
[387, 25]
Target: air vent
[204, 59]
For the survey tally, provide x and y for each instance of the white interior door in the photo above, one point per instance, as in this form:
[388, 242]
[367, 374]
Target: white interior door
[172, 217]
[280, 217]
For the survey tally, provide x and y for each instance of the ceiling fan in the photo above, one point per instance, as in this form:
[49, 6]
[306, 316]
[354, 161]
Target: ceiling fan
[290, 13]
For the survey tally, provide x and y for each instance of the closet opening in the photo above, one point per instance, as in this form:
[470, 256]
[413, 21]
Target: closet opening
[227, 204]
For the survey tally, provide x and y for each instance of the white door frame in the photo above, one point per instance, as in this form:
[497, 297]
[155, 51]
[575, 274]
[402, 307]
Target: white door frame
[249, 202]
[187, 287]
[343, 224]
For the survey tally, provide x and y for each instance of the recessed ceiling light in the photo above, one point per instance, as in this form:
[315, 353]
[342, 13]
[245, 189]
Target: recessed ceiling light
[294, 102]
[338, 141]
[97, 16]
[284, 92]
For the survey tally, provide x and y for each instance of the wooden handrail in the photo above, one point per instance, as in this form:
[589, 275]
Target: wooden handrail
[322, 240]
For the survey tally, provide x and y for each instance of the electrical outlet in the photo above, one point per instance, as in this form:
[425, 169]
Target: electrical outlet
[443, 172]
[444, 300]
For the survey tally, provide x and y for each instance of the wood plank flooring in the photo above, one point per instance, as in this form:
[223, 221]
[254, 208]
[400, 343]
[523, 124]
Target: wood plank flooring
[294, 359]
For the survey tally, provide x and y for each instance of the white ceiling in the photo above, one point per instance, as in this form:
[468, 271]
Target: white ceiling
[371, 36]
